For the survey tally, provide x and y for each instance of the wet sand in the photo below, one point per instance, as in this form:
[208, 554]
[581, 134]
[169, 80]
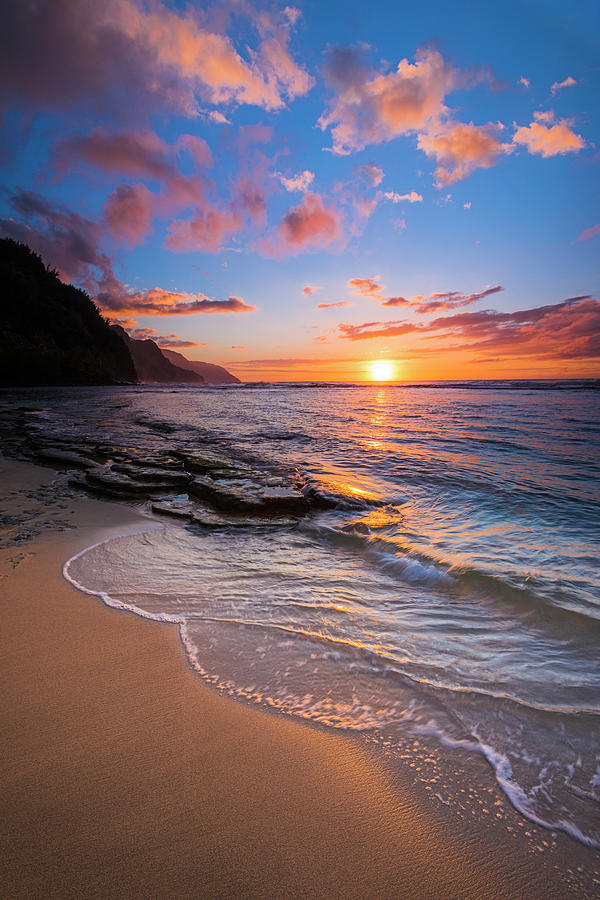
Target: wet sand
[124, 776]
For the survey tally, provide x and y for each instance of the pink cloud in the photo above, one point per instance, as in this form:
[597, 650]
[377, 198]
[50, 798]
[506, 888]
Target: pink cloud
[589, 233]
[332, 305]
[313, 223]
[205, 230]
[546, 140]
[373, 108]
[144, 155]
[128, 213]
[309, 289]
[459, 149]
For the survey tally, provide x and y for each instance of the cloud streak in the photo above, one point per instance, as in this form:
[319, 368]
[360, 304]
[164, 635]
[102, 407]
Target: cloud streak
[566, 330]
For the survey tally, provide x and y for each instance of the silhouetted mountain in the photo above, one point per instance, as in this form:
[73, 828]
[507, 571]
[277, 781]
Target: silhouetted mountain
[51, 332]
[212, 374]
[151, 365]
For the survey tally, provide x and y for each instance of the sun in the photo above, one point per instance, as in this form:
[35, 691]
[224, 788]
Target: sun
[382, 370]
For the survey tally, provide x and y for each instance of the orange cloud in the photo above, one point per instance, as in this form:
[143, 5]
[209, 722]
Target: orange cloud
[370, 109]
[460, 149]
[558, 85]
[160, 302]
[332, 305]
[367, 287]
[309, 289]
[566, 330]
[546, 140]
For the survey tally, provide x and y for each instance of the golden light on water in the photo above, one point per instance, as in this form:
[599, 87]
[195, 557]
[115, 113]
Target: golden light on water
[382, 370]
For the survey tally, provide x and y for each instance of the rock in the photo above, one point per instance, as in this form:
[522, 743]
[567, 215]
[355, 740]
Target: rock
[65, 458]
[245, 495]
[153, 475]
[179, 509]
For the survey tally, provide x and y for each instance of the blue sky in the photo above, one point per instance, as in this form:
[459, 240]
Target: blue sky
[196, 168]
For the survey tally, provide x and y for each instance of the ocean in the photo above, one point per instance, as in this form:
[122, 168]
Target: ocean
[445, 592]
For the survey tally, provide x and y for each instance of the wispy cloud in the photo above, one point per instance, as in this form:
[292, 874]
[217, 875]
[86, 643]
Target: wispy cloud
[412, 197]
[332, 305]
[589, 233]
[300, 182]
[566, 330]
[559, 85]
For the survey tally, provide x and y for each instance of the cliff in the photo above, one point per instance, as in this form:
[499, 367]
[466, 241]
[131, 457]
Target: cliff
[52, 333]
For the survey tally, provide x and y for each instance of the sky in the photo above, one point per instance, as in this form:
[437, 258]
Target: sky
[300, 191]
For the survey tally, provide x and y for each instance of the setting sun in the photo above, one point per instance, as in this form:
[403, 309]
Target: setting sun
[382, 370]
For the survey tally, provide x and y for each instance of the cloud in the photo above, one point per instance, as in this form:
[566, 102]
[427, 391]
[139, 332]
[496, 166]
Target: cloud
[372, 174]
[367, 287]
[64, 239]
[547, 141]
[566, 330]
[467, 205]
[160, 302]
[128, 213]
[370, 330]
[558, 85]
[313, 223]
[589, 233]
[309, 289]
[460, 148]
[525, 82]
[144, 155]
[300, 182]
[372, 288]
[412, 197]
[163, 340]
[442, 300]
[206, 230]
[135, 57]
[332, 305]
[70, 243]
[370, 108]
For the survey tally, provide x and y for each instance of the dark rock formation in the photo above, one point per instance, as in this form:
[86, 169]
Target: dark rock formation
[52, 333]
[151, 365]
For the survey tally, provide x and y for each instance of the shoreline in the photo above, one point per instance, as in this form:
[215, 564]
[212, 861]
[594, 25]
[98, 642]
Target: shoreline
[126, 775]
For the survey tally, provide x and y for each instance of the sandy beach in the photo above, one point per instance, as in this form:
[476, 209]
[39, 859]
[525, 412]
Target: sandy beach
[124, 776]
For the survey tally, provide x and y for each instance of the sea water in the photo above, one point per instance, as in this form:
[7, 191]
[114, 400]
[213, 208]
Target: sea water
[452, 593]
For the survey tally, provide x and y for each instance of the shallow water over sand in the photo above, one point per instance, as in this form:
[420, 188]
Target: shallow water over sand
[452, 592]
